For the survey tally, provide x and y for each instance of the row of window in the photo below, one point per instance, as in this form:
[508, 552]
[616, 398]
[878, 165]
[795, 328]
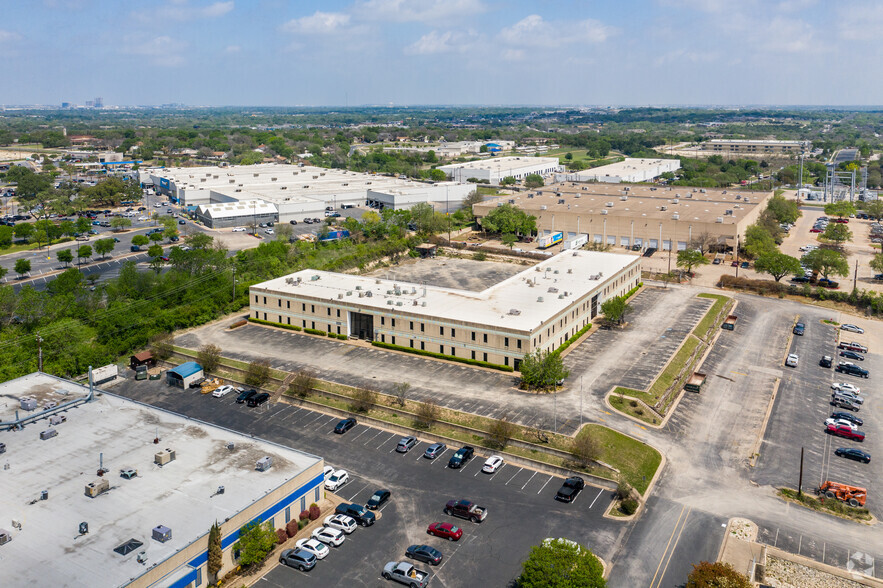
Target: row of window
[449, 350]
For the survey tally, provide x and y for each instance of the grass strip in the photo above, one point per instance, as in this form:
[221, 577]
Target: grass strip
[830, 506]
[707, 322]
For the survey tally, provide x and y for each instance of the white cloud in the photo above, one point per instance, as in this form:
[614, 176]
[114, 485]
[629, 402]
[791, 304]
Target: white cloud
[182, 10]
[427, 11]
[9, 36]
[436, 42]
[163, 51]
[680, 56]
[533, 31]
[860, 21]
[231, 49]
[710, 6]
[319, 23]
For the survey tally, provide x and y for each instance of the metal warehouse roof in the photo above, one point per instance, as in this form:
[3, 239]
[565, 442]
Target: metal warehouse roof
[187, 369]
[237, 209]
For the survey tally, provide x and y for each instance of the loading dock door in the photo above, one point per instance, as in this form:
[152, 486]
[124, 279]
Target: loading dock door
[362, 325]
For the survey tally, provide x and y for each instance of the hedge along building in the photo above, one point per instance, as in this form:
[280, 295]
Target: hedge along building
[537, 309]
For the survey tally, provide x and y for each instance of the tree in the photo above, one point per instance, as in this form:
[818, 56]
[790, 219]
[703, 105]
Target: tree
[703, 242]
[689, 258]
[23, 231]
[584, 449]
[256, 540]
[784, 210]
[509, 219]
[777, 264]
[67, 228]
[501, 432]
[542, 370]
[400, 392]
[258, 373]
[155, 251]
[716, 575]
[65, 256]
[533, 181]
[509, 240]
[827, 262]
[156, 237]
[568, 156]
[161, 346]
[104, 246]
[140, 240]
[614, 309]
[876, 263]
[437, 175]
[83, 252]
[561, 563]
[840, 209]
[83, 225]
[874, 209]
[118, 223]
[215, 551]
[5, 236]
[363, 400]
[209, 357]
[200, 240]
[508, 181]
[170, 233]
[301, 384]
[22, 267]
[837, 233]
[427, 414]
[757, 242]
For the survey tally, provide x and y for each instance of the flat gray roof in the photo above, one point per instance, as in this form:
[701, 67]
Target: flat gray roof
[573, 272]
[503, 164]
[41, 387]
[47, 551]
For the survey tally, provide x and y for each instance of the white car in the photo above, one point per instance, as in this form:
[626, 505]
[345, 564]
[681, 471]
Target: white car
[492, 464]
[142, 218]
[269, 231]
[341, 523]
[337, 480]
[852, 328]
[314, 546]
[238, 229]
[329, 536]
[841, 422]
[328, 471]
[222, 391]
[792, 360]
[846, 387]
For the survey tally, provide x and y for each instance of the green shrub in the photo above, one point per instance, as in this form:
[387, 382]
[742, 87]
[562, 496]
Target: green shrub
[573, 339]
[633, 290]
[629, 506]
[314, 332]
[272, 324]
[480, 256]
[502, 368]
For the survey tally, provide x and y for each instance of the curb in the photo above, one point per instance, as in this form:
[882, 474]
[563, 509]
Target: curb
[755, 453]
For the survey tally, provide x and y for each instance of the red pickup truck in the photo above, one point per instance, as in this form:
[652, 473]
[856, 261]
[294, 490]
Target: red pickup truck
[466, 510]
[845, 431]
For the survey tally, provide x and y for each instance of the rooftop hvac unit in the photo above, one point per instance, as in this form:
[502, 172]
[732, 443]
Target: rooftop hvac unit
[377, 281]
[57, 419]
[514, 312]
[724, 192]
[552, 290]
[675, 216]
[663, 208]
[539, 298]
[609, 205]
[28, 403]
[313, 278]
[5, 537]
[272, 179]
[161, 533]
[624, 198]
[349, 292]
[702, 190]
[399, 303]
[423, 303]
[728, 212]
[369, 294]
[719, 219]
[390, 302]
[2, 447]
[48, 434]
[560, 296]
[416, 302]
[358, 287]
[543, 207]
[511, 201]
[264, 464]
[340, 296]
[604, 211]
[163, 457]
[530, 195]
[570, 270]
[361, 294]
[675, 201]
[97, 487]
[561, 201]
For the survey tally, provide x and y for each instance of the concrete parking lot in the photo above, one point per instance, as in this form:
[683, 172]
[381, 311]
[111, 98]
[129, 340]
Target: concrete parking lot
[522, 509]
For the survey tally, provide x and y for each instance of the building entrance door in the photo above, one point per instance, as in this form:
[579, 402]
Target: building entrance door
[362, 325]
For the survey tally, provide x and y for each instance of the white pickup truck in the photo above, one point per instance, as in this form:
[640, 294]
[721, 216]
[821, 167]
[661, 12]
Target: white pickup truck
[405, 573]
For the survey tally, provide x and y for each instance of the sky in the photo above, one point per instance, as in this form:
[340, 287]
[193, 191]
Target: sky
[459, 52]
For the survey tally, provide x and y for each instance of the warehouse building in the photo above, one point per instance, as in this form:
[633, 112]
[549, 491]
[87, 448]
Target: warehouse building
[294, 190]
[232, 214]
[629, 170]
[757, 147]
[495, 169]
[638, 217]
[537, 309]
[184, 375]
[124, 494]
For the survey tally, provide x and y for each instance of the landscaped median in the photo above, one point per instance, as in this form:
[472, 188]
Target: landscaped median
[651, 406]
[596, 451]
[830, 505]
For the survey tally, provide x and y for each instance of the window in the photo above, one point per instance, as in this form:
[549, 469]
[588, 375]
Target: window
[338, 313]
[473, 355]
[485, 356]
[485, 337]
[313, 308]
[304, 323]
[412, 326]
[315, 495]
[198, 576]
[422, 327]
[288, 304]
[441, 331]
[412, 344]
[422, 346]
[303, 307]
[473, 338]
[383, 338]
[393, 340]
[255, 314]
[265, 316]
[329, 311]
[505, 341]
[393, 322]
[505, 361]
[453, 333]
[280, 318]
[265, 299]
[454, 351]
[280, 302]
[313, 323]
[255, 298]
[303, 503]
[441, 349]
[518, 342]
[287, 514]
[383, 320]
[338, 330]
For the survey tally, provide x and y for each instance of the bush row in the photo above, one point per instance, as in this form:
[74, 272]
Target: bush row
[573, 339]
[631, 292]
[495, 366]
[861, 299]
[280, 325]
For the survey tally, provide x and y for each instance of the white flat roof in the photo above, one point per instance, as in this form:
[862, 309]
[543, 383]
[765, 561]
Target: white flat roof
[630, 166]
[220, 210]
[47, 551]
[573, 272]
[41, 387]
[504, 164]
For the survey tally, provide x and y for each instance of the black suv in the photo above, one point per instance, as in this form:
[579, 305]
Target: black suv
[851, 369]
[460, 458]
[570, 489]
[358, 513]
[258, 399]
[826, 361]
[245, 396]
[848, 417]
[799, 328]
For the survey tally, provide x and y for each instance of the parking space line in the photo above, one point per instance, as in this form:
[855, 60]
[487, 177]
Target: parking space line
[544, 485]
[318, 416]
[350, 499]
[439, 456]
[597, 497]
[528, 480]
[492, 476]
[374, 437]
[325, 423]
[513, 477]
[363, 432]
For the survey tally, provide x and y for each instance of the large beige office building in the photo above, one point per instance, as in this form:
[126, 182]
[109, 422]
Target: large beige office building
[537, 309]
[637, 217]
[757, 146]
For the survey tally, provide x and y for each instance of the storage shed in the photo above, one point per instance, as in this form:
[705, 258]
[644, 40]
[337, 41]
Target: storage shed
[143, 358]
[184, 374]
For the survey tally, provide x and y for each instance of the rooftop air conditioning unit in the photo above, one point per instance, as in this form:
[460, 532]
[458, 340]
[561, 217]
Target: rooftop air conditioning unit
[539, 298]
[719, 219]
[511, 201]
[604, 211]
[514, 312]
[552, 290]
[163, 457]
[423, 303]
[663, 208]
[675, 216]
[543, 207]
[561, 201]
[609, 205]
[97, 487]
[161, 533]
[28, 403]
[48, 434]
[390, 302]
[340, 296]
[314, 278]
[264, 464]
[361, 294]
[369, 294]
[728, 212]
[358, 287]
[675, 201]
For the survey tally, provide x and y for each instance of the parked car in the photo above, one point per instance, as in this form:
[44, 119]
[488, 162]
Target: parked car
[314, 546]
[406, 444]
[358, 513]
[308, 221]
[341, 523]
[852, 355]
[826, 361]
[840, 401]
[245, 396]
[345, 425]
[222, 391]
[405, 573]
[337, 480]
[238, 229]
[716, 261]
[792, 360]
[293, 222]
[298, 558]
[181, 222]
[856, 454]
[745, 265]
[851, 328]
[445, 531]
[848, 416]
[465, 509]
[826, 283]
[570, 489]
[493, 463]
[856, 398]
[845, 432]
[838, 422]
[329, 536]
[377, 499]
[845, 367]
[258, 399]
[435, 450]
[852, 346]
[425, 553]
[327, 471]
[461, 456]
[799, 329]
[269, 231]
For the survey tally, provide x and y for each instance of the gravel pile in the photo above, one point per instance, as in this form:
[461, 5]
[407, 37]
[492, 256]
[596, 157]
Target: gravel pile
[786, 574]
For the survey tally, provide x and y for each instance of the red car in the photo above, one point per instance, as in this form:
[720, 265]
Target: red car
[844, 221]
[815, 230]
[447, 531]
[845, 431]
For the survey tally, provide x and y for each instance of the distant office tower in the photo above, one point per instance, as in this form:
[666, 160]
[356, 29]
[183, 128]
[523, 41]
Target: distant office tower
[65, 104]
[99, 102]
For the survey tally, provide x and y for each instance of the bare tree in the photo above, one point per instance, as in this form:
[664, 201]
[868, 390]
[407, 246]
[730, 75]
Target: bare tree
[584, 449]
[400, 392]
[427, 414]
[363, 399]
[703, 242]
[302, 384]
[501, 432]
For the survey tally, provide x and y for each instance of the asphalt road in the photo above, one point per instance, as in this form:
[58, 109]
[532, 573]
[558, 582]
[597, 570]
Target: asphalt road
[845, 155]
[522, 509]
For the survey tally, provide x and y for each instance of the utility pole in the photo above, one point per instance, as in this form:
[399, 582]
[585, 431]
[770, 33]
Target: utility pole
[234, 284]
[737, 255]
[800, 479]
[855, 275]
[39, 353]
[580, 402]
[800, 181]
[555, 410]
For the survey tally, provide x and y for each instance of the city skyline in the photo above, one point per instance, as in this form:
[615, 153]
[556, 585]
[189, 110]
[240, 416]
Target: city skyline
[410, 52]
